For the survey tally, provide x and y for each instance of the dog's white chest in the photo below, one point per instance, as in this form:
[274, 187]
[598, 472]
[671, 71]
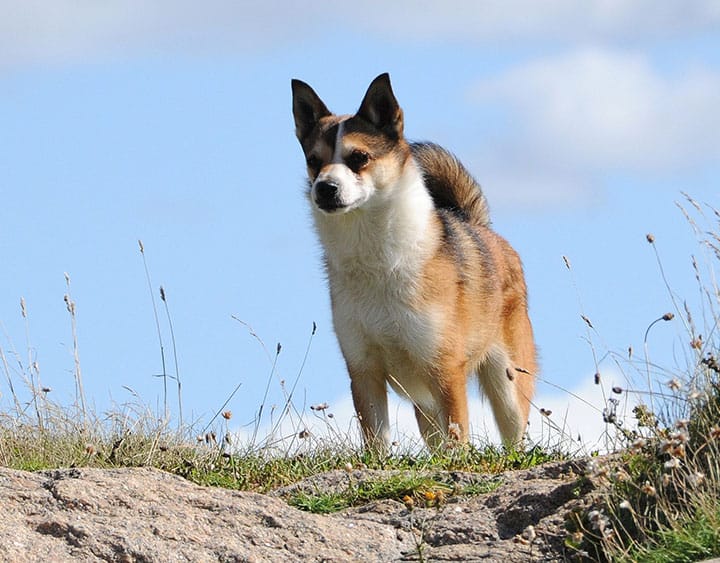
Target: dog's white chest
[380, 313]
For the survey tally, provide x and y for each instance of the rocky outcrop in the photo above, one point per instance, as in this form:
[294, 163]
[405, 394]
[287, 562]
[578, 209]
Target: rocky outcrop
[148, 515]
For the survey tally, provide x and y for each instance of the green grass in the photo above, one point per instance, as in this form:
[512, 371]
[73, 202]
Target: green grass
[414, 489]
[694, 538]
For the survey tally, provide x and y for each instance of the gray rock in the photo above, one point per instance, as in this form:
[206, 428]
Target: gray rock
[147, 515]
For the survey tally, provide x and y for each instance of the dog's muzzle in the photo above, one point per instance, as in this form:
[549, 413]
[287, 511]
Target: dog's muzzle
[327, 196]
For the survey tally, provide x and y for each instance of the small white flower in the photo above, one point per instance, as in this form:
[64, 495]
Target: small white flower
[638, 444]
[697, 478]
[680, 436]
[672, 463]
[625, 505]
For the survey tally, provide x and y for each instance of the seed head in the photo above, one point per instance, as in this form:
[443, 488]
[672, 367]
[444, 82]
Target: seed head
[650, 238]
[454, 431]
[648, 489]
[674, 384]
[665, 446]
[678, 451]
[672, 463]
[621, 476]
[680, 436]
[696, 479]
[638, 445]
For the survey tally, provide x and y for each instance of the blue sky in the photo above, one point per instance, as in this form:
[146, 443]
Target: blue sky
[170, 122]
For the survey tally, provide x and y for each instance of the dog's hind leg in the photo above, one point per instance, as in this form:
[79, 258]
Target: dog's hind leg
[500, 383]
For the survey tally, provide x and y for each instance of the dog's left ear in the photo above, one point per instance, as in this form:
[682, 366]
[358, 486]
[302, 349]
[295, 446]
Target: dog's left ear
[380, 107]
[308, 108]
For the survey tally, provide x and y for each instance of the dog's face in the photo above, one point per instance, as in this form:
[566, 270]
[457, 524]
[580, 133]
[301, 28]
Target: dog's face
[352, 161]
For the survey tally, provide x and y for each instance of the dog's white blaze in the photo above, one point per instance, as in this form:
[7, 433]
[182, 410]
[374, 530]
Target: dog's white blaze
[337, 155]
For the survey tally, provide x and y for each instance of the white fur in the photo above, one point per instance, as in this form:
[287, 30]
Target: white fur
[375, 255]
[353, 192]
[498, 388]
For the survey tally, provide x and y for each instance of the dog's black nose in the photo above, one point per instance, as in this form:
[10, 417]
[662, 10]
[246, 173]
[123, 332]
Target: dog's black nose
[327, 196]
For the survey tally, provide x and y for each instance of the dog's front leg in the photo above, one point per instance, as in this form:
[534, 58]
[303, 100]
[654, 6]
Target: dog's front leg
[369, 392]
[444, 422]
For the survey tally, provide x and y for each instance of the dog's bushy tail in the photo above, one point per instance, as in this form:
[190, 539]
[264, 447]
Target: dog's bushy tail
[450, 184]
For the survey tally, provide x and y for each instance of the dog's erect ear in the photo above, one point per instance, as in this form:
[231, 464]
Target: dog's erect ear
[380, 107]
[308, 108]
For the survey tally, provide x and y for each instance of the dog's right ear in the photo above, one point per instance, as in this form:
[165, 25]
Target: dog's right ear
[308, 108]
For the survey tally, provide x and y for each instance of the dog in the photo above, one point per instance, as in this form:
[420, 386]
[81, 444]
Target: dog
[425, 295]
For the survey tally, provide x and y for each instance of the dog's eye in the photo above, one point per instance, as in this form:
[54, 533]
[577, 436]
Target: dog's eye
[357, 160]
[314, 163]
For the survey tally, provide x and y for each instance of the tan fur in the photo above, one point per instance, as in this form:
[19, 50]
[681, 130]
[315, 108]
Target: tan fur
[425, 295]
[488, 311]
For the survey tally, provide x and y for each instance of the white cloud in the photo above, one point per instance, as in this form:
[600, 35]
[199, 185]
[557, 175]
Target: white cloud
[574, 118]
[556, 20]
[68, 31]
[33, 31]
[593, 109]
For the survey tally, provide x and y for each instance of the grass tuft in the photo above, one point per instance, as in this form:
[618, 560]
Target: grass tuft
[659, 498]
